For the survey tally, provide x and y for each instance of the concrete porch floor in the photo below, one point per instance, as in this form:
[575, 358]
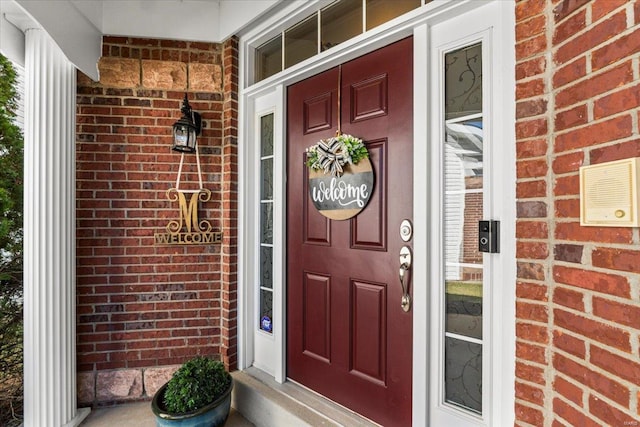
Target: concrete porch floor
[139, 414]
[257, 400]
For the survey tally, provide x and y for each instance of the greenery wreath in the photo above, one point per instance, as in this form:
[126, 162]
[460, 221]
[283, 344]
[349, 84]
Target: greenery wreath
[332, 154]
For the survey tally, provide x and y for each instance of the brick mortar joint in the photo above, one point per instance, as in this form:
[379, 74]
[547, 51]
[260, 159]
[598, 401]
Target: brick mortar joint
[584, 363]
[604, 321]
[548, 371]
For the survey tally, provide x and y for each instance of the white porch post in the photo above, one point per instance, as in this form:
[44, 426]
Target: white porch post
[49, 236]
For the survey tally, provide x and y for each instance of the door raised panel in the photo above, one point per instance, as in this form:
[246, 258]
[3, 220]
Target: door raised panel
[369, 98]
[369, 228]
[317, 316]
[369, 331]
[316, 227]
[317, 113]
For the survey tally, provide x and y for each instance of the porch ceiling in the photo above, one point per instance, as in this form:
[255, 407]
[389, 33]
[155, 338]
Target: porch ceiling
[78, 25]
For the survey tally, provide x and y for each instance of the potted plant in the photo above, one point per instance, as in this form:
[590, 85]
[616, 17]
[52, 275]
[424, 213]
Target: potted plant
[197, 395]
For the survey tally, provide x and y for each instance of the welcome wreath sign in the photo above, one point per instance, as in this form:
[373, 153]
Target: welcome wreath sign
[340, 176]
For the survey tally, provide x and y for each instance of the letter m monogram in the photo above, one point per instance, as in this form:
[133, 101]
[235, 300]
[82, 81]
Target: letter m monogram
[189, 213]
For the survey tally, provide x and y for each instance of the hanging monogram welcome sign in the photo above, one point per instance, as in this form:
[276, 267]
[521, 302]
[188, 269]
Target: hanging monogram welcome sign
[341, 178]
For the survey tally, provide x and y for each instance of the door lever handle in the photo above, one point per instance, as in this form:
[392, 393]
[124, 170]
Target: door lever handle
[405, 265]
[403, 271]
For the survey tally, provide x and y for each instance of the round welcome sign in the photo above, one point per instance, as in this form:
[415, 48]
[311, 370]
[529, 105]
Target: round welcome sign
[344, 196]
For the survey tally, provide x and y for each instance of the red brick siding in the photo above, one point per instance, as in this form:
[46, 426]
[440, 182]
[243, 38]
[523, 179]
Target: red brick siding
[577, 360]
[141, 305]
[229, 327]
[472, 214]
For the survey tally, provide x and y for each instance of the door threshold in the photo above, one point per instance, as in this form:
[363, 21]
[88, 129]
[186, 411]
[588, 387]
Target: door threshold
[266, 403]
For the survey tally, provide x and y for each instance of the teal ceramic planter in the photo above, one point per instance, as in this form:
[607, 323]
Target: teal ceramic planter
[213, 415]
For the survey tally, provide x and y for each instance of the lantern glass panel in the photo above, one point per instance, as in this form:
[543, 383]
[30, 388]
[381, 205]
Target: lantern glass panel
[181, 136]
[184, 137]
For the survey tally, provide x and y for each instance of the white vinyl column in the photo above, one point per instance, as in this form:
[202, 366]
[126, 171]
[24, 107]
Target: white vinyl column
[49, 236]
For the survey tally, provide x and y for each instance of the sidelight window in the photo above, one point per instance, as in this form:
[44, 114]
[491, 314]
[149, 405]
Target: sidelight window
[463, 208]
[266, 224]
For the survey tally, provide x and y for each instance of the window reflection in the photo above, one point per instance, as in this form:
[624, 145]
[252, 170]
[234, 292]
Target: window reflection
[269, 58]
[381, 11]
[339, 22]
[301, 41]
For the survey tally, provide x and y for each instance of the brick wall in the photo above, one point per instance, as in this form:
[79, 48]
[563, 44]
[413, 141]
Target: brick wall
[144, 308]
[473, 203]
[578, 316]
[229, 291]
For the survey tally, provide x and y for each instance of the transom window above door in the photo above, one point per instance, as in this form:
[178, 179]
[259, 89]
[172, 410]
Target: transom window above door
[324, 29]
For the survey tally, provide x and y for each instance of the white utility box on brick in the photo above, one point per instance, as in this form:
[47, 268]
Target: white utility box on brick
[609, 194]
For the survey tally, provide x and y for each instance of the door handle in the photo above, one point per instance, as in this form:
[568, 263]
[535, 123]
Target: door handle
[405, 266]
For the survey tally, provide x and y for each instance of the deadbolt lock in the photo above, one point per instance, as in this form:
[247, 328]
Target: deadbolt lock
[406, 230]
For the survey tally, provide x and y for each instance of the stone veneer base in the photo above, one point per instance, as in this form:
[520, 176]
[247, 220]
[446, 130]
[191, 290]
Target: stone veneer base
[120, 385]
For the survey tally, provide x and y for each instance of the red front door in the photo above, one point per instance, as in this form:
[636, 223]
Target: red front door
[348, 337]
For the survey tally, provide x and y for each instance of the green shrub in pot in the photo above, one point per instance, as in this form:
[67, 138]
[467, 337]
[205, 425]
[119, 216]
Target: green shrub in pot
[198, 388]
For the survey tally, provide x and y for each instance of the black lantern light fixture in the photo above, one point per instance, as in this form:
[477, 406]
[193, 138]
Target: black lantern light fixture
[186, 130]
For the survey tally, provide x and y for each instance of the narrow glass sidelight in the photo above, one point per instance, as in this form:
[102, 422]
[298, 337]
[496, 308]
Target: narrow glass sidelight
[266, 224]
[463, 208]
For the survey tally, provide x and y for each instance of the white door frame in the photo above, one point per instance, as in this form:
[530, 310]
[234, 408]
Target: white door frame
[493, 26]
[416, 23]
